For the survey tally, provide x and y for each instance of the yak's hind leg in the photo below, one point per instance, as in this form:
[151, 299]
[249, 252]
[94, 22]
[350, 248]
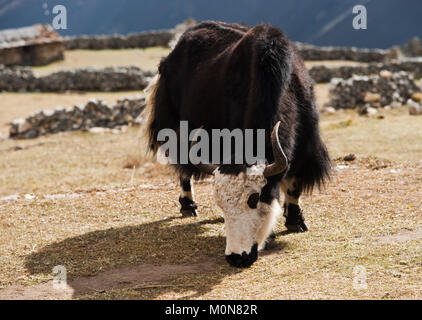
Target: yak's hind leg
[295, 222]
[186, 198]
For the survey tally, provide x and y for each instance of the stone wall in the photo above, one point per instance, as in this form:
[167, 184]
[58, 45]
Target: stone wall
[16, 79]
[310, 52]
[135, 40]
[167, 38]
[95, 113]
[374, 91]
[85, 79]
[322, 74]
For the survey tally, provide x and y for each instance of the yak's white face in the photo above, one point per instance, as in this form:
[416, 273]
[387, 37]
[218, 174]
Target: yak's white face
[248, 221]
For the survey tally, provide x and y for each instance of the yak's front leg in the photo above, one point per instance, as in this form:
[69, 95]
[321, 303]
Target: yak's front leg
[186, 198]
[295, 222]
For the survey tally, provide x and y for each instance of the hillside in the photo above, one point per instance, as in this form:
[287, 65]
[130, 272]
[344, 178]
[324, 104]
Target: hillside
[327, 22]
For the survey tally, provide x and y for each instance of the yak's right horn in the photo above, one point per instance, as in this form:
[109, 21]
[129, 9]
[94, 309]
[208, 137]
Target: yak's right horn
[280, 160]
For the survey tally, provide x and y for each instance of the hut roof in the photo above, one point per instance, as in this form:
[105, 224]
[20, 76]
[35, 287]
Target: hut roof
[27, 36]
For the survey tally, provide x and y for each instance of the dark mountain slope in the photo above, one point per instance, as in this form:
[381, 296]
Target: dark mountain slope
[323, 22]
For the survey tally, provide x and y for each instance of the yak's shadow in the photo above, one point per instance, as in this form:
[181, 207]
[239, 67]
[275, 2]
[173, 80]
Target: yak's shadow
[134, 256]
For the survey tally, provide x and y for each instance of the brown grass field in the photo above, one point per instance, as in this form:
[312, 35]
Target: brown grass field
[110, 215]
[146, 59]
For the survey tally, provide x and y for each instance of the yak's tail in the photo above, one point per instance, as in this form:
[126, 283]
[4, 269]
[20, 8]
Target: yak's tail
[148, 115]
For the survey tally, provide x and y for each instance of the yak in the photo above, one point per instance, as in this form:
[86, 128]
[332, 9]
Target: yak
[231, 76]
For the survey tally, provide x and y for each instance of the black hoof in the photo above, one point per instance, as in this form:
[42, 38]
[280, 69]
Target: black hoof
[300, 227]
[188, 207]
[270, 242]
[188, 212]
[295, 222]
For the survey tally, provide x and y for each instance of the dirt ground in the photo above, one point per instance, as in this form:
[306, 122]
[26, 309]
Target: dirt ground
[96, 205]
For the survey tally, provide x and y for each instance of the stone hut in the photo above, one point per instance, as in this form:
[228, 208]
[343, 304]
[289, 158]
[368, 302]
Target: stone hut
[33, 46]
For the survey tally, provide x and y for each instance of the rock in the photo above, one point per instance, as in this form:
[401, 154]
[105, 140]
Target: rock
[350, 157]
[329, 110]
[30, 134]
[414, 107]
[19, 126]
[417, 97]
[98, 130]
[396, 105]
[367, 110]
[371, 112]
[372, 97]
[385, 74]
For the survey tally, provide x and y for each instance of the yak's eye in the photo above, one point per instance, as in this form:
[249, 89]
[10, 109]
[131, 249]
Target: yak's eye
[253, 200]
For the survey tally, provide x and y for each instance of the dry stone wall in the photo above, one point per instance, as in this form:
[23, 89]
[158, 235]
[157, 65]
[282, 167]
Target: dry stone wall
[136, 40]
[371, 91]
[167, 38]
[21, 79]
[95, 113]
[310, 52]
[322, 74]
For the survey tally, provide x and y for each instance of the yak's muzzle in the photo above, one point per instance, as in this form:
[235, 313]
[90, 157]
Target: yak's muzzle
[243, 260]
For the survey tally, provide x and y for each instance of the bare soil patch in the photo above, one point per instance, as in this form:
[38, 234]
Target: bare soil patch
[128, 277]
[402, 236]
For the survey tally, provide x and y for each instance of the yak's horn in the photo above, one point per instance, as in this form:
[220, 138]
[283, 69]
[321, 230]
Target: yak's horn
[203, 167]
[280, 159]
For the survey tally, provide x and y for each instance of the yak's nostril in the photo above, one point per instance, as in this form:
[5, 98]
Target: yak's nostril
[243, 260]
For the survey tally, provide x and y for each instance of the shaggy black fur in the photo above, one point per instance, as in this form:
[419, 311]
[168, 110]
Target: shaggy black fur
[231, 76]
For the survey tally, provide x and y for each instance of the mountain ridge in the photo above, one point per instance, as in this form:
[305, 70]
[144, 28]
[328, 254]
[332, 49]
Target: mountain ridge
[325, 22]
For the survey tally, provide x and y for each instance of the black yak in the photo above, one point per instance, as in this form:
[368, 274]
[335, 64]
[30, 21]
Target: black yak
[230, 76]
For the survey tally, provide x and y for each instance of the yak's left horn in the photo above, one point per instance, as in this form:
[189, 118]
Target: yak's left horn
[207, 168]
[280, 160]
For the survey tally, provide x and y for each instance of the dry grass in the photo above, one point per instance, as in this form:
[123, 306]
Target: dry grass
[322, 94]
[146, 59]
[397, 137]
[102, 231]
[332, 63]
[106, 222]
[107, 216]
